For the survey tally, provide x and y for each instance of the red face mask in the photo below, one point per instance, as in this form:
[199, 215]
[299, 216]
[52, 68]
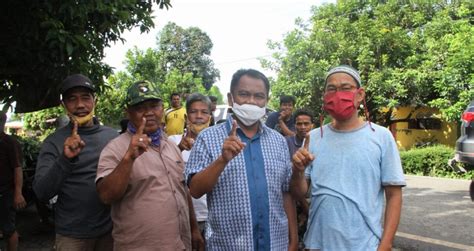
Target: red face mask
[340, 104]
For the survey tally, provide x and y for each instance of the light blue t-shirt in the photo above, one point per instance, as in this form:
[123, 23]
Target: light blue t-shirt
[347, 179]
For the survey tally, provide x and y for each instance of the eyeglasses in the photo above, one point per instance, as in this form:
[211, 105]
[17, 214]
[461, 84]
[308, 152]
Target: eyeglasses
[342, 88]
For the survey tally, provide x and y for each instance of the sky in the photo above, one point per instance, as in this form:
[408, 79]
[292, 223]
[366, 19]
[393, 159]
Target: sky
[239, 30]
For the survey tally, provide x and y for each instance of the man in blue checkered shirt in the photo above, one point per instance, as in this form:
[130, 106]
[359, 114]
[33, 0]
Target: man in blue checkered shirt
[244, 168]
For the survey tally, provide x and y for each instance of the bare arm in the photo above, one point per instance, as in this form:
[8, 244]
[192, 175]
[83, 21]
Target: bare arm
[196, 237]
[393, 209]
[290, 210]
[19, 201]
[298, 185]
[284, 129]
[301, 158]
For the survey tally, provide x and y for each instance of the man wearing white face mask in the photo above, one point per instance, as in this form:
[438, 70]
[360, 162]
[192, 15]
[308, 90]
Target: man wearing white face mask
[244, 168]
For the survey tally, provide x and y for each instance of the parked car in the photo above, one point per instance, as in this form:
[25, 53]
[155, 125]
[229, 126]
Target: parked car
[464, 152]
[465, 144]
[221, 113]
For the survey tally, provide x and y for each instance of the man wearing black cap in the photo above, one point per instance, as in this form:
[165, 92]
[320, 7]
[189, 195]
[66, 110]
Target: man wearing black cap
[67, 166]
[140, 174]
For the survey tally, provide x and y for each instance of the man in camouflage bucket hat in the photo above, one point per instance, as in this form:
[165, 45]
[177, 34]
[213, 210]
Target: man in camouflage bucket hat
[141, 91]
[130, 177]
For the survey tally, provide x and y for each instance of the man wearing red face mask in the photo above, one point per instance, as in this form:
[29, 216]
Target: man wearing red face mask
[351, 166]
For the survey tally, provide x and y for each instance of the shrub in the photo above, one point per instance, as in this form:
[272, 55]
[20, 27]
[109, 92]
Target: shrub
[431, 161]
[30, 149]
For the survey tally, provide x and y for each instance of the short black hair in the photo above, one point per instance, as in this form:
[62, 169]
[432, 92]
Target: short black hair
[212, 98]
[304, 112]
[251, 73]
[174, 94]
[287, 99]
[195, 97]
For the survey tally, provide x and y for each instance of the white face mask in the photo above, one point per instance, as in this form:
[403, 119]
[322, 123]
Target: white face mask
[248, 114]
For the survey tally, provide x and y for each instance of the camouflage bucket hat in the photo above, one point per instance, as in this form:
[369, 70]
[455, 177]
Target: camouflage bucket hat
[141, 91]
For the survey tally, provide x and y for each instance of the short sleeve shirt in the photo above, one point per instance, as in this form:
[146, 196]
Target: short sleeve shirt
[175, 121]
[272, 122]
[10, 158]
[347, 179]
[154, 210]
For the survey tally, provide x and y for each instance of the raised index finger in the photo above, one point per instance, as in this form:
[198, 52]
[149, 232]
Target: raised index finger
[233, 131]
[306, 142]
[141, 127]
[74, 128]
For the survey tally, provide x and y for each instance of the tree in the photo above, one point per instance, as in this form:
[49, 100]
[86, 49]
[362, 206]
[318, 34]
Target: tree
[418, 53]
[44, 41]
[187, 50]
[179, 63]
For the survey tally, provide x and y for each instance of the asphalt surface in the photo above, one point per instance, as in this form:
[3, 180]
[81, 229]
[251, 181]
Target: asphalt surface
[437, 214]
[34, 235]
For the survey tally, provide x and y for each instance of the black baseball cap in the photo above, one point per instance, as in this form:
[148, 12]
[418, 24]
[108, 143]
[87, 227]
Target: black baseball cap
[76, 80]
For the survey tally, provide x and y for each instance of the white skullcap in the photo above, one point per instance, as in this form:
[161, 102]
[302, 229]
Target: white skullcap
[345, 69]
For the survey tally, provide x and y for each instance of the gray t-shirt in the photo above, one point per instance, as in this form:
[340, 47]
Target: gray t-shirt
[79, 213]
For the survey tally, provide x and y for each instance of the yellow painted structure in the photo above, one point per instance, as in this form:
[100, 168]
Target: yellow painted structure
[421, 125]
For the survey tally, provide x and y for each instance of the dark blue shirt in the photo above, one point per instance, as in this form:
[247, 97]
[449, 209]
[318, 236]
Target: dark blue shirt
[272, 122]
[258, 192]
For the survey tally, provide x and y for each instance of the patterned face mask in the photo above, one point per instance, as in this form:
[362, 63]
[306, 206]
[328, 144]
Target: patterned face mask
[155, 137]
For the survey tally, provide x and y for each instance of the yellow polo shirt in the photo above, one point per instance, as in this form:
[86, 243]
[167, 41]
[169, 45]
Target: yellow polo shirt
[175, 121]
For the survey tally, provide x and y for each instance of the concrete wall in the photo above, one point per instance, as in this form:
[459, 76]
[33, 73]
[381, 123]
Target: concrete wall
[407, 137]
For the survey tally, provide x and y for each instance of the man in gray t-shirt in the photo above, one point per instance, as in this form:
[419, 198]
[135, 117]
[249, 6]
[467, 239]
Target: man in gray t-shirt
[67, 166]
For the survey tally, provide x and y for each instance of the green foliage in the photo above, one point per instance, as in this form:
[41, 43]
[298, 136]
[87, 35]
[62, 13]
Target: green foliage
[214, 91]
[431, 161]
[30, 149]
[187, 50]
[44, 41]
[110, 105]
[180, 63]
[42, 122]
[408, 54]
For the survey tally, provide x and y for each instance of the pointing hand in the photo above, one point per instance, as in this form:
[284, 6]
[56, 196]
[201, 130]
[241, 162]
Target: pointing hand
[73, 144]
[302, 157]
[232, 145]
[139, 143]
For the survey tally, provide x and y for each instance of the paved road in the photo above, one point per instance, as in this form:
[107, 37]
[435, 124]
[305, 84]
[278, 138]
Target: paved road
[437, 214]
[34, 236]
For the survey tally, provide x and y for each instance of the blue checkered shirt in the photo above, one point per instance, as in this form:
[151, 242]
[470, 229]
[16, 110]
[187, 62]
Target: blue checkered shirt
[229, 225]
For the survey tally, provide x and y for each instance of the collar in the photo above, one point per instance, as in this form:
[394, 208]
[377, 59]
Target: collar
[262, 128]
